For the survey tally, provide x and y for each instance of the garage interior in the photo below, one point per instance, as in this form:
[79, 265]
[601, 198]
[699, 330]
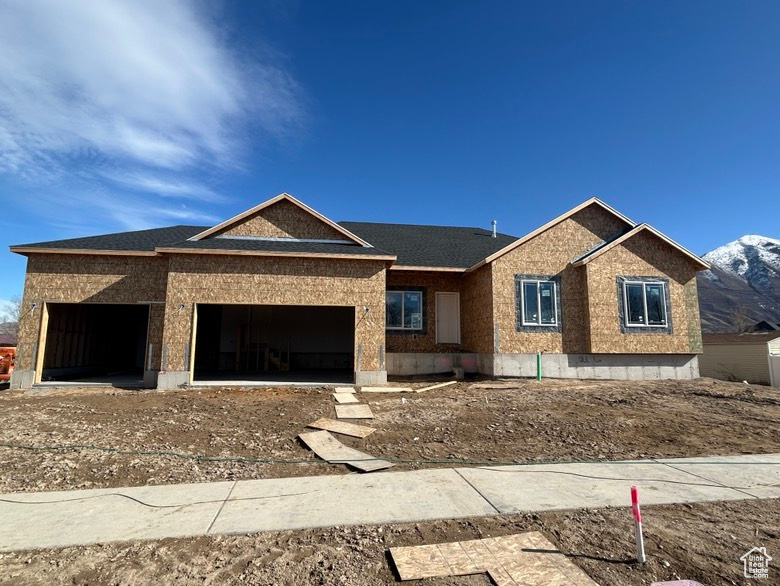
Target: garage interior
[95, 343]
[274, 343]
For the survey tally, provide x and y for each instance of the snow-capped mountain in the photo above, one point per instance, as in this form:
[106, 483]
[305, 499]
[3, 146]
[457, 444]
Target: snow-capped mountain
[743, 286]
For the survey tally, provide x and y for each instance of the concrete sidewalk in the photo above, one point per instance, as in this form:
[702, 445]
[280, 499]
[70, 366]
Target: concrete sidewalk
[57, 519]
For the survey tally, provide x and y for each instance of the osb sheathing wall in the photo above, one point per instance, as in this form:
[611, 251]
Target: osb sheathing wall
[476, 311]
[283, 220]
[431, 282]
[91, 279]
[643, 255]
[551, 253]
[275, 281]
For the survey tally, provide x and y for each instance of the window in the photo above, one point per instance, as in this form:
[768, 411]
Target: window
[403, 310]
[539, 303]
[645, 304]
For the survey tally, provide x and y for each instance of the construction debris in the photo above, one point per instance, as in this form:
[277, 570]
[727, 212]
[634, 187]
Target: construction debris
[526, 559]
[386, 390]
[345, 398]
[344, 390]
[342, 427]
[354, 412]
[332, 450]
[448, 383]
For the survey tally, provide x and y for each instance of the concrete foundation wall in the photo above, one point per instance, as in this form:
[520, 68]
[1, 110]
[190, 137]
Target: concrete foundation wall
[414, 363]
[584, 366]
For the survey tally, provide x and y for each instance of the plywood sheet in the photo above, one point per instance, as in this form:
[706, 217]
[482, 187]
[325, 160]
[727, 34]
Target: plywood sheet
[329, 448]
[342, 427]
[345, 398]
[448, 383]
[458, 559]
[525, 558]
[354, 412]
[344, 390]
[422, 561]
[386, 390]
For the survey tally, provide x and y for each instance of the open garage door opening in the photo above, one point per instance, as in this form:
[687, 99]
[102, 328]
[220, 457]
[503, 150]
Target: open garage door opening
[95, 343]
[274, 343]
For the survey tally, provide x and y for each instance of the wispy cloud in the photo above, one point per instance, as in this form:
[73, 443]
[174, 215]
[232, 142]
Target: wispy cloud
[130, 95]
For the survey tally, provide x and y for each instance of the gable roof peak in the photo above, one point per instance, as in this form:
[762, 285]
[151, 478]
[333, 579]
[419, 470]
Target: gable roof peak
[283, 196]
[593, 200]
[644, 226]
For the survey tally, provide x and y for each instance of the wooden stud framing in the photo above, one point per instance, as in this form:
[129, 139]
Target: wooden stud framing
[44, 326]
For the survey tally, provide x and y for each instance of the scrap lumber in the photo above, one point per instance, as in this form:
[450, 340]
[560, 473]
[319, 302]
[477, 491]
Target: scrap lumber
[342, 427]
[332, 450]
[354, 412]
[345, 398]
[448, 383]
[344, 390]
[524, 558]
[386, 390]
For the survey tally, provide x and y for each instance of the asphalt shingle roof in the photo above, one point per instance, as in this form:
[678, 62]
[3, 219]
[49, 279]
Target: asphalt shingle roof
[414, 245]
[431, 246]
[279, 246]
[139, 240]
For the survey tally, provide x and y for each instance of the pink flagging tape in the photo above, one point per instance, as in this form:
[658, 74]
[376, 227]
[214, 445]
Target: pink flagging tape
[635, 504]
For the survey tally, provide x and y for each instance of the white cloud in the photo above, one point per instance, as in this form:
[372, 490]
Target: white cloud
[134, 90]
[167, 187]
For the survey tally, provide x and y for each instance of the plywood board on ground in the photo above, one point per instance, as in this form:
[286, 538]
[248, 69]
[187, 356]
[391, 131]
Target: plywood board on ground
[448, 383]
[345, 398]
[329, 448]
[344, 390]
[342, 427]
[524, 558]
[354, 412]
[386, 390]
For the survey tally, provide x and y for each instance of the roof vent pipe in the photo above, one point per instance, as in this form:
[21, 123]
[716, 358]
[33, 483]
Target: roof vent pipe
[493, 223]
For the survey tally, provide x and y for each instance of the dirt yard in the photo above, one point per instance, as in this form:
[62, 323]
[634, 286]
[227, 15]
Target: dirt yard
[484, 421]
[496, 421]
[702, 542]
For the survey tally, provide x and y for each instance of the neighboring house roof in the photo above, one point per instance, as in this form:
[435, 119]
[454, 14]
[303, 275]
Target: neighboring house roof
[607, 246]
[747, 338]
[439, 247]
[7, 340]
[555, 221]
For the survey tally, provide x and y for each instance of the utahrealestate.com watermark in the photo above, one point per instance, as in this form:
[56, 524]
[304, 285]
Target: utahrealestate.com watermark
[756, 563]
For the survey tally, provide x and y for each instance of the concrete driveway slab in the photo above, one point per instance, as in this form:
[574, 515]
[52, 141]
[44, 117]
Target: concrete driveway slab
[321, 501]
[92, 516]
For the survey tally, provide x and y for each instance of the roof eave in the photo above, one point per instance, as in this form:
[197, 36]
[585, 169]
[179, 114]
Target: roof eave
[275, 253]
[25, 250]
[429, 269]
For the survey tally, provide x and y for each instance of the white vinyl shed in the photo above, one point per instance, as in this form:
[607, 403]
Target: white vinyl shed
[751, 357]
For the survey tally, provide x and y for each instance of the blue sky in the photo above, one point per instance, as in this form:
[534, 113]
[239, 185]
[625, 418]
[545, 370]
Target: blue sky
[122, 115]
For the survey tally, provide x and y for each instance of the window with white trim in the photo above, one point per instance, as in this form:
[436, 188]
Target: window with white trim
[539, 303]
[645, 304]
[403, 310]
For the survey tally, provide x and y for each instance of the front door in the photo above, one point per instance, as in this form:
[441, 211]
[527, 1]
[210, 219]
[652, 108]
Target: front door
[447, 318]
